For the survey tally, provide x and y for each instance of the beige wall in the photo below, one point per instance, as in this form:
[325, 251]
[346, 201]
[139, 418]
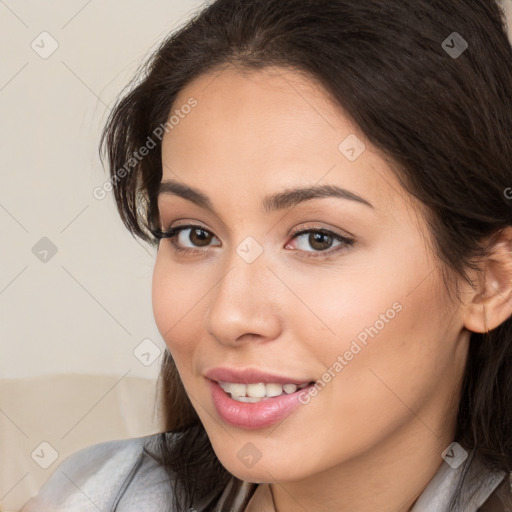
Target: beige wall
[87, 307]
[507, 4]
[85, 310]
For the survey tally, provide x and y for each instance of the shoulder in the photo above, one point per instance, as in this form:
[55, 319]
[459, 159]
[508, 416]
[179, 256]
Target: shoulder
[501, 499]
[118, 475]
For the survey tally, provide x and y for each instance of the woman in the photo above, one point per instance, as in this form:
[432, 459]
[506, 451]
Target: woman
[329, 187]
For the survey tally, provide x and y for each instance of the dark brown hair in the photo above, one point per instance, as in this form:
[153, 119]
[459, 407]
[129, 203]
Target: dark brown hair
[443, 120]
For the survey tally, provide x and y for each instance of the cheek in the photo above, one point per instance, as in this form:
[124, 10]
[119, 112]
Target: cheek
[175, 299]
[161, 295]
[391, 363]
[354, 304]
[385, 344]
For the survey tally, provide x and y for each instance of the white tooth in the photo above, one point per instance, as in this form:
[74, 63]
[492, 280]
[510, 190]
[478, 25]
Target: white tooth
[289, 388]
[251, 399]
[256, 390]
[239, 398]
[238, 389]
[273, 389]
[226, 386]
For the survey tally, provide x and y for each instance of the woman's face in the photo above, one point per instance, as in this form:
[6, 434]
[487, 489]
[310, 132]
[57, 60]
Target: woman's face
[355, 303]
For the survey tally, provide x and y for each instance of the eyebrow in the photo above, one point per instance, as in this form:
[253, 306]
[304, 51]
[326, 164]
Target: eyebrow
[273, 202]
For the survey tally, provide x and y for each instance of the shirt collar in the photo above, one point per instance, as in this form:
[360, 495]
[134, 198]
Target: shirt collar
[479, 483]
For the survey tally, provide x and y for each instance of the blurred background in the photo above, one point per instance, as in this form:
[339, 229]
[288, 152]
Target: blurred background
[79, 348]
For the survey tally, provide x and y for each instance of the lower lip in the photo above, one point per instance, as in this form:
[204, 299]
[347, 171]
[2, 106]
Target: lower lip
[254, 415]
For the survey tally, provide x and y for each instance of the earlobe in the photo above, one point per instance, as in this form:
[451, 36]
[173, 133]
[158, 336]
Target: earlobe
[492, 301]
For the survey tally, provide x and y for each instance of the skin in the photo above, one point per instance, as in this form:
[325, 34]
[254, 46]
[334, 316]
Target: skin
[372, 438]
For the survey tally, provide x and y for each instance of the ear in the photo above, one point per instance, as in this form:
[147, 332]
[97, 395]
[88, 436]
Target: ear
[492, 301]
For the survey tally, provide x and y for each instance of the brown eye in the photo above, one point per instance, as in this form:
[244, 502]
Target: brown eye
[317, 243]
[200, 237]
[187, 239]
[190, 239]
[320, 241]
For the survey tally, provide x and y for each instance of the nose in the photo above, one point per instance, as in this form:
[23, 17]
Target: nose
[246, 304]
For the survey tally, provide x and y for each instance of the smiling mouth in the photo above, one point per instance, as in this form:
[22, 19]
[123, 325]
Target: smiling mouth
[260, 391]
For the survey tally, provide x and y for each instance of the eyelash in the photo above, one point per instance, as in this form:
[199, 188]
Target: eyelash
[172, 233]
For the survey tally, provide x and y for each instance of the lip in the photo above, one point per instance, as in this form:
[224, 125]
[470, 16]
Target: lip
[251, 376]
[253, 415]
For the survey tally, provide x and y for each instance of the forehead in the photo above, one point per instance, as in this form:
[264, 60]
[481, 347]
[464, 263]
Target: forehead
[267, 108]
[265, 130]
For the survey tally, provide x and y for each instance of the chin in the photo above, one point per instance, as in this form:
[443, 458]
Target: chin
[267, 469]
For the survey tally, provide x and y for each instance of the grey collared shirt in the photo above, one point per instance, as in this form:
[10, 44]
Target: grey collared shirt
[120, 476]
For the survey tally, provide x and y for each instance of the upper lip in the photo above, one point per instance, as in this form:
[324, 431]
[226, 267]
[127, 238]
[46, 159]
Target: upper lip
[250, 376]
